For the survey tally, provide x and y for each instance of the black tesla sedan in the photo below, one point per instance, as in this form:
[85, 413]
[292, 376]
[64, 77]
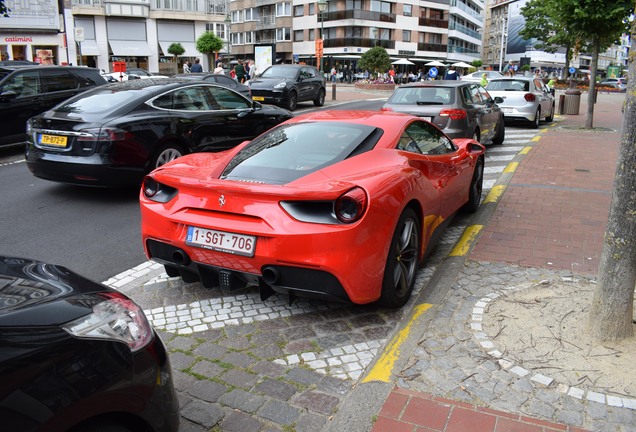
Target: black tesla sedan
[116, 134]
[77, 355]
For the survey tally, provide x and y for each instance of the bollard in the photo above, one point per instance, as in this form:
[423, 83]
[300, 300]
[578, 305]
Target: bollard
[333, 91]
[561, 104]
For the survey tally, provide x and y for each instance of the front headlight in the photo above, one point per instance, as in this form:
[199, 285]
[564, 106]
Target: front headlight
[116, 318]
[280, 85]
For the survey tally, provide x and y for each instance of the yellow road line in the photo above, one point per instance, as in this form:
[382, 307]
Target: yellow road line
[525, 150]
[535, 139]
[495, 193]
[463, 245]
[512, 167]
[384, 366]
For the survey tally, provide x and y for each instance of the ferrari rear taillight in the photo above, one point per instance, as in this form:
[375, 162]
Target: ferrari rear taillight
[529, 97]
[454, 114]
[115, 318]
[102, 134]
[351, 206]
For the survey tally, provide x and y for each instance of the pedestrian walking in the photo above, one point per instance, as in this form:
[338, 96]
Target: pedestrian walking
[451, 74]
[484, 80]
[186, 67]
[219, 68]
[239, 70]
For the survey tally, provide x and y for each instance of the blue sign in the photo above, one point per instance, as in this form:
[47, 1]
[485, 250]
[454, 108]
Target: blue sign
[572, 69]
[515, 67]
[432, 72]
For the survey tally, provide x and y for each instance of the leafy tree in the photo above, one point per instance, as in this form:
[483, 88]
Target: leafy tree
[209, 43]
[176, 49]
[611, 314]
[375, 60]
[477, 63]
[4, 10]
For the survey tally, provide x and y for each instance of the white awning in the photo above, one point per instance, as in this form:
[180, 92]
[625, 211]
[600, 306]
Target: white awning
[190, 50]
[130, 48]
[89, 48]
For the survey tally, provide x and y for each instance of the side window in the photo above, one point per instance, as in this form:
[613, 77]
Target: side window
[58, 80]
[88, 77]
[228, 82]
[424, 138]
[227, 99]
[475, 94]
[466, 95]
[311, 72]
[187, 99]
[23, 84]
[484, 94]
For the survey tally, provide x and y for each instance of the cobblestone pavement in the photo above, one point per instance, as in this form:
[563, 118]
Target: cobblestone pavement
[451, 361]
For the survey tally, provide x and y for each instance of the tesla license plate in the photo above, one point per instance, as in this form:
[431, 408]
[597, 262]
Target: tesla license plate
[53, 140]
[222, 241]
[258, 98]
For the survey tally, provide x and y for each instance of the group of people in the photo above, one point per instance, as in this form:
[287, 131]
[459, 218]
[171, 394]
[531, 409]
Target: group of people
[344, 75]
[242, 71]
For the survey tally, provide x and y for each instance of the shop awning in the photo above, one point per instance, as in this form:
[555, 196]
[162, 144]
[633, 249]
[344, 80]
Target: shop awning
[89, 48]
[190, 50]
[130, 48]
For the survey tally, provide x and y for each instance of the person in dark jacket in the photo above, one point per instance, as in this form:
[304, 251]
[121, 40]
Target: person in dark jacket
[239, 69]
[196, 67]
[451, 74]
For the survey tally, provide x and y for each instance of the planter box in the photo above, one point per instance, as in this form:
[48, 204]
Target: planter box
[370, 86]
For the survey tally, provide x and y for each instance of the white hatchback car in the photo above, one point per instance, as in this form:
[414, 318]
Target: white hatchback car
[524, 98]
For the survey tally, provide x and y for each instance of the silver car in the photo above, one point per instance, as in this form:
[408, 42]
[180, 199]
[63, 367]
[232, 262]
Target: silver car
[524, 98]
[476, 76]
[461, 109]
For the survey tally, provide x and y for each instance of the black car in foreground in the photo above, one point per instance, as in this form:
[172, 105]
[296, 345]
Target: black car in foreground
[113, 135]
[287, 84]
[76, 355]
[29, 90]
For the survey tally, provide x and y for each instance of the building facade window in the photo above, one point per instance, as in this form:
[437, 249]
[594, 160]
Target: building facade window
[299, 10]
[249, 37]
[283, 34]
[353, 5]
[312, 34]
[380, 6]
[237, 16]
[353, 32]
[406, 36]
[298, 35]
[408, 10]
[283, 9]
[312, 9]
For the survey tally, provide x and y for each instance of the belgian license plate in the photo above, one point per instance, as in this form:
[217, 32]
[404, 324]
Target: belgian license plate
[258, 98]
[222, 241]
[53, 140]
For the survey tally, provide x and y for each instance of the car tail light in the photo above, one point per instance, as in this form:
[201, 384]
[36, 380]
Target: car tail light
[115, 318]
[529, 97]
[158, 192]
[454, 114]
[351, 206]
[102, 134]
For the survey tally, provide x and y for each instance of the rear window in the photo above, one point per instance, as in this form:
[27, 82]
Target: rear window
[423, 96]
[509, 85]
[96, 102]
[289, 152]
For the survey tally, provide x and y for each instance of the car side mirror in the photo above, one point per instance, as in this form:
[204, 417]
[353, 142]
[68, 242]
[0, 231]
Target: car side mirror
[498, 99]
[256, 105]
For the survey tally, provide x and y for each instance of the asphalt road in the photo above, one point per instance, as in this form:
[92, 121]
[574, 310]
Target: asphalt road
[92, 231]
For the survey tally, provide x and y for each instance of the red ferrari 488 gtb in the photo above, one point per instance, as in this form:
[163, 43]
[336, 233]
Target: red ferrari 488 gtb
[339, 205]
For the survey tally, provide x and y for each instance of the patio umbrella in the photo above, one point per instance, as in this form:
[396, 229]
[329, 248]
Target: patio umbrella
[462, 65]
[435, 63]
[403, 62]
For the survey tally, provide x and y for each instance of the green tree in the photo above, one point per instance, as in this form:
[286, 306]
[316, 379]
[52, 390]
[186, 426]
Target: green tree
[4, 10]
[375, 60]
[477, 63]
[176, 49]
[612, 311]
[209, 43]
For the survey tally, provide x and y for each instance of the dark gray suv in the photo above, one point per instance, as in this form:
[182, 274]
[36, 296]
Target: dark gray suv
[287, 84]
[26, 91]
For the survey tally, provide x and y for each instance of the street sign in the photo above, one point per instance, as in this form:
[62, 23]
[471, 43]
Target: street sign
[432, 72]
[572, 70]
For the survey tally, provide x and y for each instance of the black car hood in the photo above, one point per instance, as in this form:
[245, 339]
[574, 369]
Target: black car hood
[267, 82]
[37, 294]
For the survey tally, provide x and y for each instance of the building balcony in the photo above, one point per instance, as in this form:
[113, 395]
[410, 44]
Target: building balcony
[432, 22]
[358, 42]
[472, 12]
[358, 15]
[431, 47]
[465, 30]
[462, 50]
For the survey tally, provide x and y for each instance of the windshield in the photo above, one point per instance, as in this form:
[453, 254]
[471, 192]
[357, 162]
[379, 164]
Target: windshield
[423, 96]
[289, 152]
[280, 71]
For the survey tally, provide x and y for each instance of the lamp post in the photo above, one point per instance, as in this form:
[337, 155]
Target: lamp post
[322, 7]
[504, 35]
[228, 22]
